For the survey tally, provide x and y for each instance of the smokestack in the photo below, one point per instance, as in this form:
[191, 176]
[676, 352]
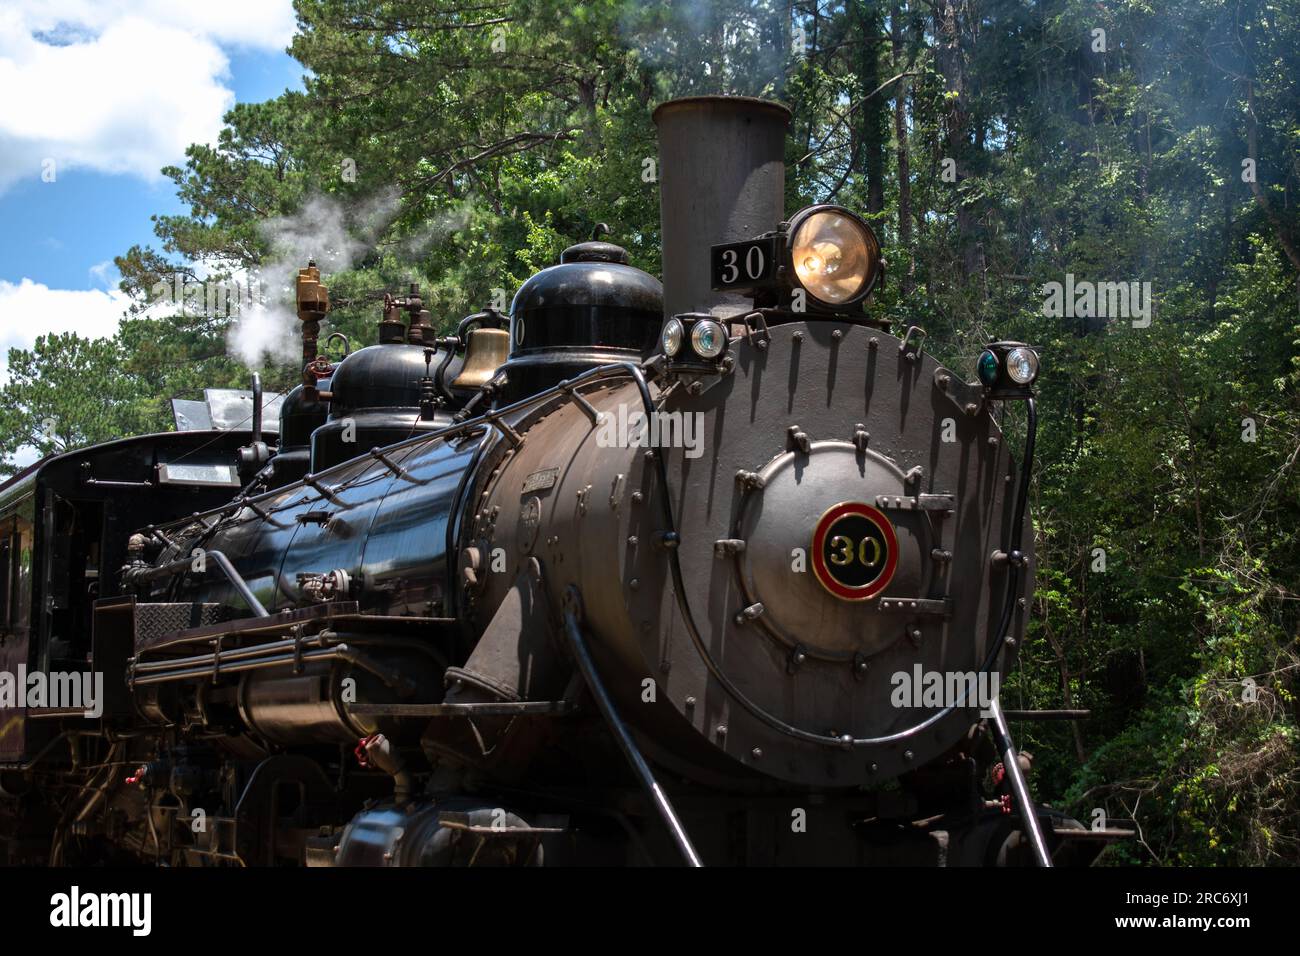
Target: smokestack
[721, 179]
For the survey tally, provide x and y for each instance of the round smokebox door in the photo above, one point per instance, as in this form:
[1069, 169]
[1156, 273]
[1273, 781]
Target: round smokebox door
[821, 552]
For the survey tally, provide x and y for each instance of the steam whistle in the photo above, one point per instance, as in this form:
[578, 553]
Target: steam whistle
[313, 303]
[391, 327]
[393, 330]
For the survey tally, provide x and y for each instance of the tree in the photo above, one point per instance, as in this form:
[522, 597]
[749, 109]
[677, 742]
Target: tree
[996, 146]
[66, 392]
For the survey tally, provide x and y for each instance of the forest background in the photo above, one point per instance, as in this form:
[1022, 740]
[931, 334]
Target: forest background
[996, 146]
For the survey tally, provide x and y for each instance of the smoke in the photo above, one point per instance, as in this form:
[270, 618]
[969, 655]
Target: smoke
[260, 334]
[436, 229]
[707, 47]
[336, 235]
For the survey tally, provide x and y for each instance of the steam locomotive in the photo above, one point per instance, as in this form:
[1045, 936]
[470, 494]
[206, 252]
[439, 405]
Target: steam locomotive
[631, 575]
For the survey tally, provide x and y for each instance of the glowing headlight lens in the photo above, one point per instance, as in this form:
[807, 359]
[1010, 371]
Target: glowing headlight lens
[1022, 365]
[672, 338]
[708, 339]
[987, 368]
[833, 256]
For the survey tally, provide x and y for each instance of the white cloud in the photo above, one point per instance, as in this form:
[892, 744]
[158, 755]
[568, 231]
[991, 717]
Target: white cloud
[117, 86]
[104, 273]
[29, 309]
[256, 24]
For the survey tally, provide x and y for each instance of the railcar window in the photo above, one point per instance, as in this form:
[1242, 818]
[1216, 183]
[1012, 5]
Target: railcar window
[7, 570]
[20, 576]
[71, 564]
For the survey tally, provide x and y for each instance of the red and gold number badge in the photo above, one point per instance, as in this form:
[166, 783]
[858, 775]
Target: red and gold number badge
[854, 551]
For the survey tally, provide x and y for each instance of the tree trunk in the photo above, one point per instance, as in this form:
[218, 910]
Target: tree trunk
[900, 138]
[1280, 230]
[950, 57]
[869, 134]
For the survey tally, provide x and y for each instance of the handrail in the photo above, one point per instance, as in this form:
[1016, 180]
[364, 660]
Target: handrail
[142, 575]
[488, 419]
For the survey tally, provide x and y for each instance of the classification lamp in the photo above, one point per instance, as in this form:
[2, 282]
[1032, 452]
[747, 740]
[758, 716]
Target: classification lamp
[1008, 369]
[694, 338]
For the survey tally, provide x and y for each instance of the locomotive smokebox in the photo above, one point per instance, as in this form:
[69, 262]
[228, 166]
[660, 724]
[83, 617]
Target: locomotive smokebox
[721, 179]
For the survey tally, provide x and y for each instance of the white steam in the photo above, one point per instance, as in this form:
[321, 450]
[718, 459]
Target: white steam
[261, 335]
[436, 230]
[336, 236]
[705, 47]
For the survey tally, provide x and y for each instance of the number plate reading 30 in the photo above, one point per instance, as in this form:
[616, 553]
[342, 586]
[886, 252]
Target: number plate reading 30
[741, 265]
[854, 551]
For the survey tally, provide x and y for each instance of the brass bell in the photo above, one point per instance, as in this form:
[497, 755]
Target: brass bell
[485, 352]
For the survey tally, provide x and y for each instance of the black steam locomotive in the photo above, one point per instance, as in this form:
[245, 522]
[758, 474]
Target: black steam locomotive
[638, 575]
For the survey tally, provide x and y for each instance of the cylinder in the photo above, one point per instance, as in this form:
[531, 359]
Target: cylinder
[721, 179]
[293, 708]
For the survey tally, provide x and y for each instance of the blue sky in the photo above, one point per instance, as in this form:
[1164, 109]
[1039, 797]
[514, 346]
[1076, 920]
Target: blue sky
[56, 233]
[98, 96]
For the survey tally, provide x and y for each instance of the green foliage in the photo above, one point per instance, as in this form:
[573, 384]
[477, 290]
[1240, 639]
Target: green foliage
[67, 391]
[491, 136]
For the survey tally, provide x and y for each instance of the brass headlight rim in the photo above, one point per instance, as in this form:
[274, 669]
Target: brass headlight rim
[872, 243]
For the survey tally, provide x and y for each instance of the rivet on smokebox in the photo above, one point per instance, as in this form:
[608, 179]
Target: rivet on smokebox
[757, 753]
[722, 730]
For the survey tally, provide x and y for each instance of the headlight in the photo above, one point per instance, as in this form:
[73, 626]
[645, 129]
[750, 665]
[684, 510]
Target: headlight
[672, 338]
[707, 338]
[1022, 365]
[834, 254]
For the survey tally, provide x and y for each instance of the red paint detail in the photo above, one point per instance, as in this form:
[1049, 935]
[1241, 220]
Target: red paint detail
[824, 525]
[362, 752]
